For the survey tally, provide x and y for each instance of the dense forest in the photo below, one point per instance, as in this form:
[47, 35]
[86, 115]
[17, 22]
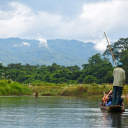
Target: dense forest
[98, 69]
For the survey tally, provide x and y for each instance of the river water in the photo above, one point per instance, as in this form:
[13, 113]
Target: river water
[58, 112]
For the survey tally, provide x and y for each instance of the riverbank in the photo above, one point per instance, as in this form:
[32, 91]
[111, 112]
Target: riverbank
[71, 90]
[8, 88]
[83, 90]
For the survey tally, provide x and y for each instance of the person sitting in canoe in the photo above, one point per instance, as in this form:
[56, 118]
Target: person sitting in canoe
[110, 101]
[106, 98]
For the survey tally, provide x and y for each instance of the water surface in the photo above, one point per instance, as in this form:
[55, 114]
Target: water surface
[58, 112]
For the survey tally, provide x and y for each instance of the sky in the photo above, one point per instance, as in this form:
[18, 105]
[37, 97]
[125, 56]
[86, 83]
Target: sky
[83, 20]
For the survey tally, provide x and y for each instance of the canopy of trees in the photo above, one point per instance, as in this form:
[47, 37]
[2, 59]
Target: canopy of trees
[120, 51]
[97, 70]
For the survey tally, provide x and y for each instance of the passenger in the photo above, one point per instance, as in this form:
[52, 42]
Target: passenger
[120, 102]
[109, 98]
[106, 99]
[110, 101]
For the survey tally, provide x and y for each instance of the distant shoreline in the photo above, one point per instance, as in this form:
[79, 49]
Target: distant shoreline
[11, 88]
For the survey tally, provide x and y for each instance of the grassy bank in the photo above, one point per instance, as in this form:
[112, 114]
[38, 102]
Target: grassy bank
[71, 90]
[8, 87]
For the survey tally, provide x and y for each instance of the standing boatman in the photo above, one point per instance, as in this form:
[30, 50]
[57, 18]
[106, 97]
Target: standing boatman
[118, 83]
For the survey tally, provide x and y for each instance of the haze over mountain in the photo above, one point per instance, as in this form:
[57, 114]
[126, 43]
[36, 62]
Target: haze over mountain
[59, 51]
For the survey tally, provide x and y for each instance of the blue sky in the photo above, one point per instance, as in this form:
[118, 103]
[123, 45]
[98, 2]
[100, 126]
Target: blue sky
[83, 20]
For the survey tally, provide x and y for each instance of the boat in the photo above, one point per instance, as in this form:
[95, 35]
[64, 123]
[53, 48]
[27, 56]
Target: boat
[113, 108]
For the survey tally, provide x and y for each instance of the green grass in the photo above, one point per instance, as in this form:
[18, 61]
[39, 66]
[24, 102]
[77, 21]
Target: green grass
[8, 87]
[71, 90]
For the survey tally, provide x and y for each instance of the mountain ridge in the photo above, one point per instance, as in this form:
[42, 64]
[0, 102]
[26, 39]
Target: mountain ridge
[59, 51]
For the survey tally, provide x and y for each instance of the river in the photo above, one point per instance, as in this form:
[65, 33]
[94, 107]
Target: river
[58, 112]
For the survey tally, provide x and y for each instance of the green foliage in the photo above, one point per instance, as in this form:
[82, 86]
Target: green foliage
[109, 77]
[96, 71]
[79, 90]
[95, 59]
[8, 87]
[117, 48]
[90, 79]
[124, 60]
[120, 51]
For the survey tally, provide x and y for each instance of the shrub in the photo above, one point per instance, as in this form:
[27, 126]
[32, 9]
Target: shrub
[90, 79]
[13, 88]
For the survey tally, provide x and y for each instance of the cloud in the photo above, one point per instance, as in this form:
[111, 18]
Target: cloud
[104, 16]
[43, 42]
[15, 21]
[23, 43]
[94, 19]
[101, 45]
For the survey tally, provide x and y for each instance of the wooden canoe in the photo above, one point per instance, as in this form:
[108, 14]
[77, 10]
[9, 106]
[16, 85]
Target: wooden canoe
[113, 109]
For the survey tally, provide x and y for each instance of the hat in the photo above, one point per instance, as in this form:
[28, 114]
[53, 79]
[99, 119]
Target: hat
[120, 64]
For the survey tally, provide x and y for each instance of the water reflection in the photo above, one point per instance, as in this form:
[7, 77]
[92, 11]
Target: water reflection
[115, 120]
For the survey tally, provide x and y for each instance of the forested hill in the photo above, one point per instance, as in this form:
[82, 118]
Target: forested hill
[62, 52]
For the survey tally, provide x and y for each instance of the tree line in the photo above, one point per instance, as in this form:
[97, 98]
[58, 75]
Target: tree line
[98, 69]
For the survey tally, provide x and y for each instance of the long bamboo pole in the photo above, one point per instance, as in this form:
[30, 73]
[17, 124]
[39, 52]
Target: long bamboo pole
[110, 49]
[115, 63]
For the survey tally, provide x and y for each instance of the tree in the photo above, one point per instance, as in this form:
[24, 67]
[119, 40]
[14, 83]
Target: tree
[124, 60]
[96, 69]
[117, 48]
[75, 75]
[1, 66]
[109, 77]
[73, 68]
[90, 79]
[47, 77]
[95, 59]
[120, 51]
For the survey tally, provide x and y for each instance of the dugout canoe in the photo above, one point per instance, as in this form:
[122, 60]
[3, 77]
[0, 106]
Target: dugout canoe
[113, 108]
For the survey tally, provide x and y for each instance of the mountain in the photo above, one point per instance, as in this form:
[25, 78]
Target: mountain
[59, 51]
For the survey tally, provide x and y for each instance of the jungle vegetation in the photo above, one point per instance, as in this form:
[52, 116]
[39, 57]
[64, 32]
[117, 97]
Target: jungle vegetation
[98, 69]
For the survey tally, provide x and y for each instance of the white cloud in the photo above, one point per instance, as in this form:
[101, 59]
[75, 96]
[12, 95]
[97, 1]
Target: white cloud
[15, 21]
[23, 43]
[104, 16]
[101, 45]
[95, 19]
[43, 42]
